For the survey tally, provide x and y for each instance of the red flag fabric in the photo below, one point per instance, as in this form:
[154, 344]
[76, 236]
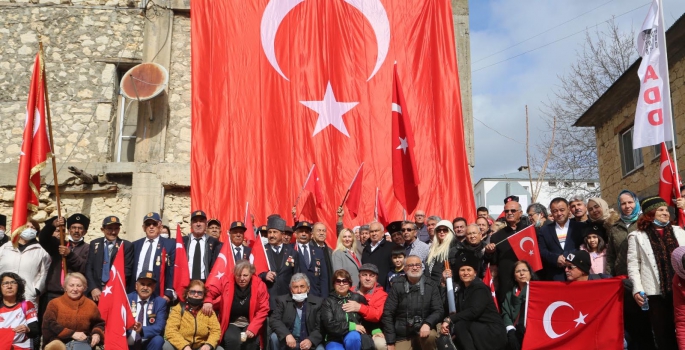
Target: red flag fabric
[114, 307]
[260, 262]
[313, 185]
[181, 270]
[490, 282]
[311, 83]
[223, 265]
[405, 177]
[355, 195]
[307, 206]
[35, 150]
[383, 217]
[669, 182]
[249, 235]
[527, 251]
[574, 315]
[6, 338]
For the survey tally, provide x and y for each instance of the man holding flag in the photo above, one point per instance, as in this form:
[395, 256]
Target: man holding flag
[150, 313]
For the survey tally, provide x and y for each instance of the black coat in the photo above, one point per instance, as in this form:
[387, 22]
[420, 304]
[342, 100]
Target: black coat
[504, 258]
[289, 262]
[283, 318]
[435, 269]
[406, 302]
[381, 257]
[318, 270]
[335, 322]
[550, 248]
[477, 310]
[96, 258]
[212, 250]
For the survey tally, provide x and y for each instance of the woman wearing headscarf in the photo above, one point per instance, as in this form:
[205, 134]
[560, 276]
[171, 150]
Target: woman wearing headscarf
[600, 217]
[617, 237]
[650, 269]
[678, 262]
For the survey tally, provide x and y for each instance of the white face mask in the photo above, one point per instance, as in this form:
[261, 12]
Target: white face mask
[28, 234]
[164, 235]
[265, 240]
[2, 234]
[300, 297]
[75, 241]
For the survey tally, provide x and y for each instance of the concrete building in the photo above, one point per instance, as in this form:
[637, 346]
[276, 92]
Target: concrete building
[138, 153]
[490, 192]
[613, 115]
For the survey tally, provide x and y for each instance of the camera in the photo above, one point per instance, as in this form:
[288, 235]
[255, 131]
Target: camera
[414, 324]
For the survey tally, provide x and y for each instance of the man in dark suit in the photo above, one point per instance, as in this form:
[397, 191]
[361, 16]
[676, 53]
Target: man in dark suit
[283, 260]
[319, 233]
[295, 319]
[312, 260]
[150, 312]
[202, 250]
[101, 254]
[557, 239]
[237, 236]
[378, 251]
[147, 256]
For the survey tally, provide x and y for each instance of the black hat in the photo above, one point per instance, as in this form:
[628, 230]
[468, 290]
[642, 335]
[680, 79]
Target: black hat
[78, 218]
[288, 230]
[3, 220]
[580, 259]
[369, 267]
[275, 223]
[652, 203]
[198, 213]
[597, 229]
[111, 220]
[305, 225]
[263, 228]
[147, 275]
[467, 258]
[395, 226]
[511, 198]
[214, 221]
[237, 224]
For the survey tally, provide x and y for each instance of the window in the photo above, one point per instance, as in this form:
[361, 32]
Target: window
[657, 148]
[590, 184]
[567, 183]
[631, 159]
[552, 183]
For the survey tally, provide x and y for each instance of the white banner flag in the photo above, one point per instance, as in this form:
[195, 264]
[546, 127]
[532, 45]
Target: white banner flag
[653, 121]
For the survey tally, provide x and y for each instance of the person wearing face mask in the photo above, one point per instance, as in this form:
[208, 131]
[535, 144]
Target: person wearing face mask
[244, 307]
[165, 232]
[538, 215]
[188, 327]
[101, 255]
[4, 237]
[28, 260]
[295, 320]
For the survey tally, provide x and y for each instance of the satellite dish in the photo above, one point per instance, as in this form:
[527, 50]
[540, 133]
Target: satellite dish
[144, 81]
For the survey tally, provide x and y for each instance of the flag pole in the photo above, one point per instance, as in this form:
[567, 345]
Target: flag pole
[515, 233]
[375, 208]
[666, 79]
[351, 183]
[52, 151]
[297, 200]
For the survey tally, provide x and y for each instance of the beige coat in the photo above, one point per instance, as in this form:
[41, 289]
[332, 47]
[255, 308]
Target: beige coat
[32, 265]
[642, 269]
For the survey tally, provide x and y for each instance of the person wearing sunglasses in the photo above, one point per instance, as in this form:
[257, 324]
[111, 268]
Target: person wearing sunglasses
[147, 256]
[188, 327]
[444, 248]
[342, 330]
[412, 244]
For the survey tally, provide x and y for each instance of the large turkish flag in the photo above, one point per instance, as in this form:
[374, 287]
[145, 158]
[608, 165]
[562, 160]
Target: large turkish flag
[280, 85]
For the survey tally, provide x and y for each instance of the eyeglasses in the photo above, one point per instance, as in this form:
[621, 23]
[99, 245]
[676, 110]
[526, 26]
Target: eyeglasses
[342, 281]
[407, 230]
[521, 270]
[510, 210]
[375, 230]
[196, 292]
[570, 267]
[419, 215]
[442, 229]
[412, 266]
[9, 283]
[151, 223]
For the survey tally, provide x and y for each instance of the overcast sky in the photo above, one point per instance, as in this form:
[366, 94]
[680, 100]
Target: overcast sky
[503, 84]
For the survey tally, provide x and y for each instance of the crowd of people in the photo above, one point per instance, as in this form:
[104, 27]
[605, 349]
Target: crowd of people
[378, 288]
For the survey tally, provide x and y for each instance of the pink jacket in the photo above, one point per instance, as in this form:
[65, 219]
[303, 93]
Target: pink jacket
[679, 309]
[598, 261]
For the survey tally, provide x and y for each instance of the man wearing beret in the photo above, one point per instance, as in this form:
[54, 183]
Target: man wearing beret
[150, 313]
[283, 260]
[202, 250]
[312, 260]
[101, 254]
[147, 256]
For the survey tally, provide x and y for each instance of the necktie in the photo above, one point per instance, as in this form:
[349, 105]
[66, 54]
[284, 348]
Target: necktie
[141, 314]
[197, 260]
[238, 256]
[305, 252]
[106, 263]
[148, 256]
[277, 249]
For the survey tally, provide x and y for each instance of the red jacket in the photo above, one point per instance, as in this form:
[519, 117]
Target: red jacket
[372, 313]
[679, 309]
[259, 302]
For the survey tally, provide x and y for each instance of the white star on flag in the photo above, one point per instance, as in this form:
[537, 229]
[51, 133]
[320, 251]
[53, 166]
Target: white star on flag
[580, 319]
[403, 145]
[330, 111]
[219, 275]
[108, 290]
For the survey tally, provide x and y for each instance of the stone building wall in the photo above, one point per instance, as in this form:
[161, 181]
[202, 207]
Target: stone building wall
[645, 180]
[178, 131]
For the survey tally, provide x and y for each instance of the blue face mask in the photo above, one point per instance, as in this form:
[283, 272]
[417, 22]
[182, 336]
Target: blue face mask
[660, 224]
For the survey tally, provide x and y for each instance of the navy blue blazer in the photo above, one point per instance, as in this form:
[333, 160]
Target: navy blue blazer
[170, 246]
[96, 257]
[317, 272]
[156, 317]
[284, 271]
[245, 252]
[550, 248]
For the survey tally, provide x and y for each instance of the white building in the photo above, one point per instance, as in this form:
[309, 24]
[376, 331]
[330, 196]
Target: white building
[490, 192]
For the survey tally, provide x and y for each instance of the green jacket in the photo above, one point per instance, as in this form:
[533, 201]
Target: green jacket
[512, 306]
[617, 248]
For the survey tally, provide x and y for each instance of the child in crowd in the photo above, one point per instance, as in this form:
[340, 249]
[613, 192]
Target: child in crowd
[398, 261]
[594, 244]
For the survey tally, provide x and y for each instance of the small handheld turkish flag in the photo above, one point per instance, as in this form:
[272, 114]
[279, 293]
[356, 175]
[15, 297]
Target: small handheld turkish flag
[260, 262]
[490, 282]
[405, 177]
[669, 182]
[354, 196]
[575, 315]
[313, 185]
[114, 307]
[224, 265]
[381, 212]
[181, 270]
[524, 250]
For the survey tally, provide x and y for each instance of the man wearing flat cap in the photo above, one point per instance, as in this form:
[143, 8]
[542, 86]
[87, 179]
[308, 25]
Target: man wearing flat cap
[283, 260]
[312, 261]
[147, 256]
[150, 313]
[236, 234]
[101, 254]
[202, 250]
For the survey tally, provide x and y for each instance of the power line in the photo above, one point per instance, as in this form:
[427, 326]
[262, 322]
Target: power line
[558, 40]
[499, 133]
[543, 32]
